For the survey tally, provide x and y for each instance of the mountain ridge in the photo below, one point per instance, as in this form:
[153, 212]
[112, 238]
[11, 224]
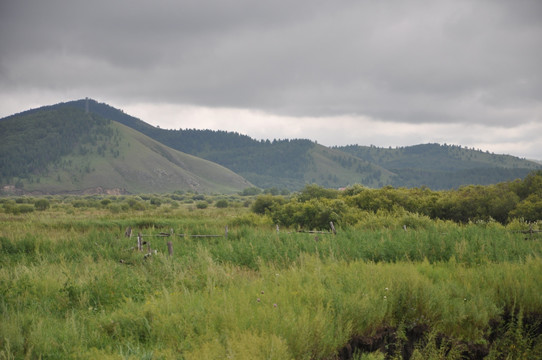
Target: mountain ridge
[291, 164]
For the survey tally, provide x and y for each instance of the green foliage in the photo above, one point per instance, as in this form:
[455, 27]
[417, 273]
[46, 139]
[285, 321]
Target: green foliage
[42, 204]
[265, 203]
[529, 209]
[34, 139]
[222, 203]
[105, 202]
[315, 207]
[15, 209]
[314, 191]
[202, 204]
[518, 340]
[250, 191]
[156, 201]
[311, 214]
[71, 284]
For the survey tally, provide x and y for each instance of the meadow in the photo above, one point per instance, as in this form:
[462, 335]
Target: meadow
[391, 285]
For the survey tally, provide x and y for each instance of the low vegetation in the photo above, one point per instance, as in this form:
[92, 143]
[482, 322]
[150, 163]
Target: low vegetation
[315, 207]
[394, 282]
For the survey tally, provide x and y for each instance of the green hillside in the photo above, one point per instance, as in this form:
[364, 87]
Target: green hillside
[287, 164]
[63, 149]
[443, 166]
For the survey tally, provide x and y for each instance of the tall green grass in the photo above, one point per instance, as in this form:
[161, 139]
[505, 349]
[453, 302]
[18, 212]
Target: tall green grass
[72, 286]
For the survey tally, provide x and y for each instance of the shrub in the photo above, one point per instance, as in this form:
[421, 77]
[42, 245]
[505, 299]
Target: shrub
[105, 202]
[14, 209]
[114, 208]
[223, 203]
[42, 204]
[136, 204]
[317, 192]
[79, 204]
[202, 205]
[139, 206]
[313, 214]
[25, 208]
[250, 191]
[174, 205]
[266, 202]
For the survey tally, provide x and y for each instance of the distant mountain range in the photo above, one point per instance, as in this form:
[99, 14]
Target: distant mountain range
[83, 144]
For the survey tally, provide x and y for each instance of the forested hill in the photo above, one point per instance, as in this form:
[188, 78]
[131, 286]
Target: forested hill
[443, 166]
[61, 149]
[284, 164]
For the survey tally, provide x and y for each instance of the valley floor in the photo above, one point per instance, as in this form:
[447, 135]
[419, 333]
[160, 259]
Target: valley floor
[73, 285]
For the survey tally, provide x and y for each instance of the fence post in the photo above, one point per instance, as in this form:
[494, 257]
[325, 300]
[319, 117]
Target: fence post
[170, 248]
[277, 228]
[226, 235]
[333, 227]
[139, 242]
[128, 232]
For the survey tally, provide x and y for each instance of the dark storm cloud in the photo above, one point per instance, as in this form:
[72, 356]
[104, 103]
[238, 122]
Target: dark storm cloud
[411, 61]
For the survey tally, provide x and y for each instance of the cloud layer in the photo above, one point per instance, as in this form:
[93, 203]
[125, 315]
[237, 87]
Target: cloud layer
[413, 67]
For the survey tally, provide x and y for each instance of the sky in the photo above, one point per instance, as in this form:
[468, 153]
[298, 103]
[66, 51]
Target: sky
[384, 73]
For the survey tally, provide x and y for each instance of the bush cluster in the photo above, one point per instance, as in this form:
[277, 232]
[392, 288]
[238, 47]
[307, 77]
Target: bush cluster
[315, 206]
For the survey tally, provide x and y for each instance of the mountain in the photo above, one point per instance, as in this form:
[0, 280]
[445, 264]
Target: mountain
[291, 164]
[443, 166]
[62, 148]
[286, 164]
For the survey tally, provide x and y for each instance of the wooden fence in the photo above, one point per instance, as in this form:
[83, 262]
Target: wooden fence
[150, 252]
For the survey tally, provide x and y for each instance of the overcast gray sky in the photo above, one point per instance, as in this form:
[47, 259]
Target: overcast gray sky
[388, 73]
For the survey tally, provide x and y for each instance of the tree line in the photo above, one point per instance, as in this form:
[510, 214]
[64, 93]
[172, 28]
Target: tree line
[314, 207]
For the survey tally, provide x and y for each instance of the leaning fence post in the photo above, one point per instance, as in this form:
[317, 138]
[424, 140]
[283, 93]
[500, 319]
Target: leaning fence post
[170, 248]
[333, 227]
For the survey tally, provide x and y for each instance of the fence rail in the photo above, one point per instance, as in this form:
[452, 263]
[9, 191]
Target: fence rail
[150, 252]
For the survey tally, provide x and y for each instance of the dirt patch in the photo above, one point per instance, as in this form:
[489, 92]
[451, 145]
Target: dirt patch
[389, 342]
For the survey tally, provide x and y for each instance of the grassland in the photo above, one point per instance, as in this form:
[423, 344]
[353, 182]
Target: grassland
[73, 286]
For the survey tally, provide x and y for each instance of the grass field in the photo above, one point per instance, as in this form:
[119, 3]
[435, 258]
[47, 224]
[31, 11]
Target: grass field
[73, 286]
